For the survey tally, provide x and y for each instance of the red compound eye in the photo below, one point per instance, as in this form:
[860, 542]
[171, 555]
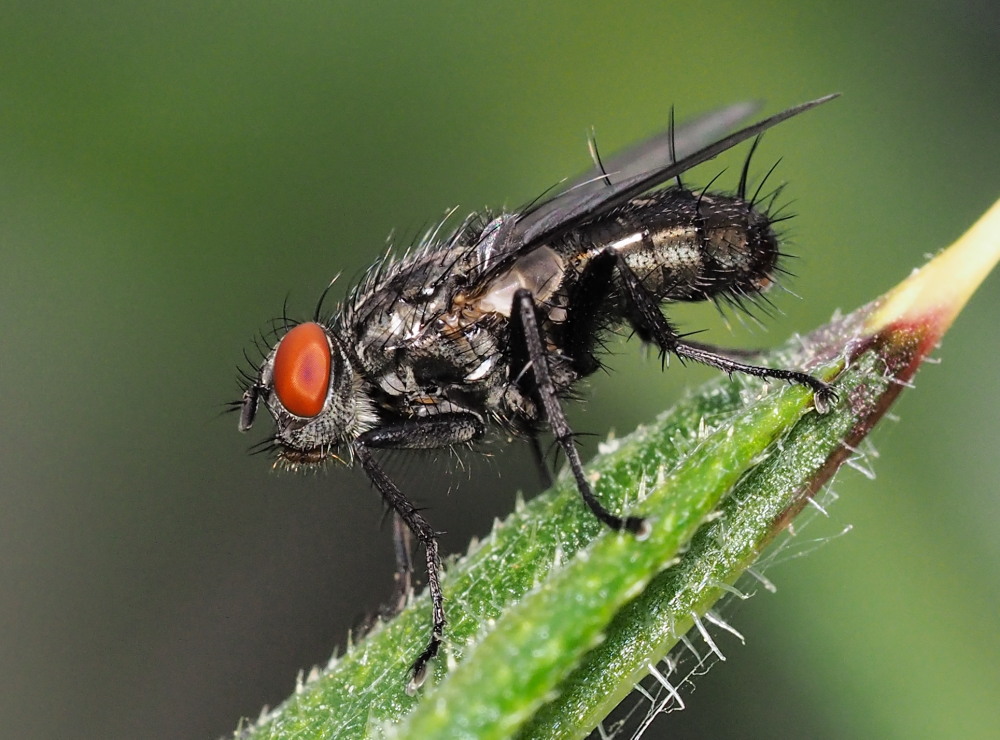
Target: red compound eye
[301, 372]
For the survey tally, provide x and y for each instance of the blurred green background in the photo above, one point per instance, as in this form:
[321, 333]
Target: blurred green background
[170, 172]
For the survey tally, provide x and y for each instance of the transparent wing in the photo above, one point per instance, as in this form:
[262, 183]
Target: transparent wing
[655, 152]
[501, 242]
[640, 169]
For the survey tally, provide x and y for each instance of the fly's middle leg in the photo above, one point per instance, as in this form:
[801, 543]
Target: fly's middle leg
[525, 317]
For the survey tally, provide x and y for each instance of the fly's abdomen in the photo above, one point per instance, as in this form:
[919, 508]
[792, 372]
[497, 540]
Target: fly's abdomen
[687, 246]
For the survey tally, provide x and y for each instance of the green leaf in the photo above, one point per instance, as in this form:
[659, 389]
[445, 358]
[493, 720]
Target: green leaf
[553, 618]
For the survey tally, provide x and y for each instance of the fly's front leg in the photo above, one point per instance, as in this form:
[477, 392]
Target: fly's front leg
[524, 317]
[650, 322]
[432, 432]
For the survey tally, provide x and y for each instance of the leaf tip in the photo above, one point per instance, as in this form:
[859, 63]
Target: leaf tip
[932, 296]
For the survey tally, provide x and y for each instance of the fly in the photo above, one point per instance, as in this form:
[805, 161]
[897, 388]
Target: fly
[491, 326]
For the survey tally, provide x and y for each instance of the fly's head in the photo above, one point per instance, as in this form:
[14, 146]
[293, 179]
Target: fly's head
[313, 394]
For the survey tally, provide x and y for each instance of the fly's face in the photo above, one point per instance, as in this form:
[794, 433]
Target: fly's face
[312, 392]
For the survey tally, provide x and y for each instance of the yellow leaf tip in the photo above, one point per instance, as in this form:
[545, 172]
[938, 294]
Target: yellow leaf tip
[934, 295]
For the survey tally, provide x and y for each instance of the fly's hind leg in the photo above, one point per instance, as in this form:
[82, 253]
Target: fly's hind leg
[649, 321]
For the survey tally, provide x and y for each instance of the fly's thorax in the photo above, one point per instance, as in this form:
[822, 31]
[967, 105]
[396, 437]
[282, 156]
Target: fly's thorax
[540, 271]
[314, 395]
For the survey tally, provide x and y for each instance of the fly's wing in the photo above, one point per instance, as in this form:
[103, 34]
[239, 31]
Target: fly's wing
[502, 240]
[637, 171]
[658, 151]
